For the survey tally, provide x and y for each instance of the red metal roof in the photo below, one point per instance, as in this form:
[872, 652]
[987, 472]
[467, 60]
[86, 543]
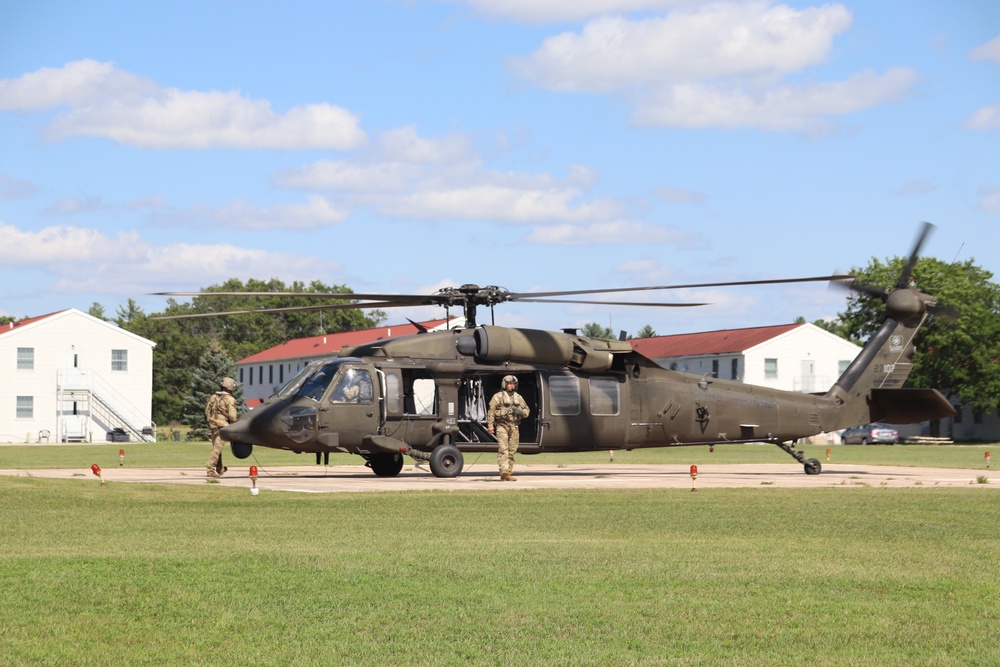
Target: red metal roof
[315, 346]
[11, 326]
[727, 341]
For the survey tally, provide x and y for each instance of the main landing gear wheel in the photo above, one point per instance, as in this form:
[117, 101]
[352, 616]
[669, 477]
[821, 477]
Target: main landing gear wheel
[812, 466]
[446, 461]
[385, 465]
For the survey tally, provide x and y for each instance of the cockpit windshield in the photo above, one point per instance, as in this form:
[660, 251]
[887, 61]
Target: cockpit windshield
[313, 381]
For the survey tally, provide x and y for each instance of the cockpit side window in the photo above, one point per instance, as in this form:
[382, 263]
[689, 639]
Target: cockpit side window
[355, 386]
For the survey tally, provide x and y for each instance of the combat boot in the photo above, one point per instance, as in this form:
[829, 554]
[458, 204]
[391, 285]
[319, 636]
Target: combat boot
[504, 476]
[511, 478]
[212, 472]
[222, 472]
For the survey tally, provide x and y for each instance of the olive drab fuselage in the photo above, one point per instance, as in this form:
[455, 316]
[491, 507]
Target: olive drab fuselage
[425, 395]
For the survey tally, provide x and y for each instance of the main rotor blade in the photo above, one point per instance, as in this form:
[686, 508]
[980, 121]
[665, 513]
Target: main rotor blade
[614, 303]
[523, 296]
[406, 299]
[294, 309]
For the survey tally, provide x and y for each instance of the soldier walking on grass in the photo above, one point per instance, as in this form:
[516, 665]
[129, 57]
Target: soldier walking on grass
[220, 411]
[507, 409]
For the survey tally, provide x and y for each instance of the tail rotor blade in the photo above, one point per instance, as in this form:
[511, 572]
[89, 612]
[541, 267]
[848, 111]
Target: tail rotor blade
[904, 277]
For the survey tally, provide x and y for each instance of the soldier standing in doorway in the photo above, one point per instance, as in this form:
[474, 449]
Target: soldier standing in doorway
[220, 411]
[507, 409]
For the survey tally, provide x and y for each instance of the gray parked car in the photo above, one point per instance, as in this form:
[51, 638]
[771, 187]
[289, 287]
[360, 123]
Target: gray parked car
[870, 434]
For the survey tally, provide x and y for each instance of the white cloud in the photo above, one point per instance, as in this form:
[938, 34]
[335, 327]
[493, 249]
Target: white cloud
[77, 206]
[680, 195]
[12, 188]
[533, 11]
[601, 233]
[723, 39]
[315, 213]
[987, 118]
[989, 51]
[442, 179]
[88, 260]
[990, 200]
[497, 202]
[721, 64]
[404, 144]
[790, 107]
[107, 102]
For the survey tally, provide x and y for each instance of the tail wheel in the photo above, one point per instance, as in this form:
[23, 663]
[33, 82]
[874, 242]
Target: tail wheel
[447, 461]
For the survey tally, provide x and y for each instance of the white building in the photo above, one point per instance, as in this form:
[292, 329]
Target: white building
[68, 376]
[793, 357]
[264, 373]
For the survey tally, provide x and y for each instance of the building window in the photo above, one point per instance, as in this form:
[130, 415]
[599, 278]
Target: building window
[770, 369]
[715, 368]
[119, 360]
[260, 375]
[25, 358]
[734, 369]
[270, 374]
[604, 396]
[241, 375]
[25, 407]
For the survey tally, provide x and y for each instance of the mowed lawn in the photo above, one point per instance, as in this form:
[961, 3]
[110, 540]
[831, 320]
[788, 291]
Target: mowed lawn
[204, 575]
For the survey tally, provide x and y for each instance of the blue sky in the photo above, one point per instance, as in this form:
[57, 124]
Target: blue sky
[405, 145]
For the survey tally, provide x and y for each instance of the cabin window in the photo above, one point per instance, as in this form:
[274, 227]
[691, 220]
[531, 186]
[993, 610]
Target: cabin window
[770, 369]
[424, 391]
[842, 366]
[25, 358]
[604, 396]
[564, 394]
[25, 407]
[119, 361]
[393, 390]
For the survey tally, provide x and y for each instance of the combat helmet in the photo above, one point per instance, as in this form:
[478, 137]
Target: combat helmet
[229, 384]
[510, 378]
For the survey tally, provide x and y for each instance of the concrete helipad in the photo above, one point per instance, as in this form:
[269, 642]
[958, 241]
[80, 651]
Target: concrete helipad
[481, 477]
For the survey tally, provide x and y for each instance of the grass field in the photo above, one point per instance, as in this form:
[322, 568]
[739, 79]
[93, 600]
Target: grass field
[157, 575]
[204, 575]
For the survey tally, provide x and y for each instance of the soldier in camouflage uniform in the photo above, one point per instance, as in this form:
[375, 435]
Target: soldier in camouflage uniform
[220, 411]
[507, 409]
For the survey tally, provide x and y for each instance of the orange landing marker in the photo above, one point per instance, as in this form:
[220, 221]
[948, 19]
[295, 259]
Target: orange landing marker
[694, 478]
[611, 455]
[987, 459]
[827, 454]
[121, 457]
[96, 469]
[253, 478]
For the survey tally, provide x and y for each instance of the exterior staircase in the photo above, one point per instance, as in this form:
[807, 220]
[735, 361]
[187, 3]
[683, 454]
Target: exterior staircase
[87, 401]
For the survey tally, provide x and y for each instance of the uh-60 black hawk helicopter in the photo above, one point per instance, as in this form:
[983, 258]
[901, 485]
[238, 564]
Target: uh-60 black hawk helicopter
[424, 395]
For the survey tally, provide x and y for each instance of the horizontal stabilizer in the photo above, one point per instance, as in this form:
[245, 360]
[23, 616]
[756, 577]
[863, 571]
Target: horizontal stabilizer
[909, 406]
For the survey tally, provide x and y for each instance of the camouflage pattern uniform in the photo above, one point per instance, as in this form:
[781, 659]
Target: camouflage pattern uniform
[220, 411]
[507, 409]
